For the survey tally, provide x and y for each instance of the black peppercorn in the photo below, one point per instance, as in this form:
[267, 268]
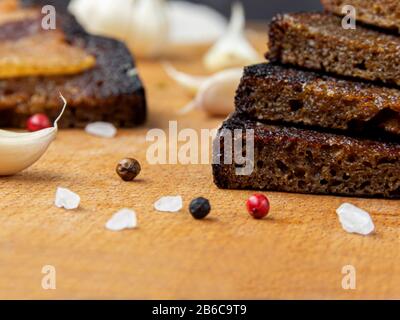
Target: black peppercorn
[200, 208]
[128, 169]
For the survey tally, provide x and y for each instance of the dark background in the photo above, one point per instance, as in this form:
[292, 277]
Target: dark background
[264, 9]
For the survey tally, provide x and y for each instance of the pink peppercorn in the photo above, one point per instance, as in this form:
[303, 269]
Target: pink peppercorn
[258, 206]
[38, 122]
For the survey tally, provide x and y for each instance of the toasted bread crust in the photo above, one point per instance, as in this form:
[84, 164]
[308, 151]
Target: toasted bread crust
[270, 92]
[111, 91]
[380, 13]
[318, 41]
[290, 159]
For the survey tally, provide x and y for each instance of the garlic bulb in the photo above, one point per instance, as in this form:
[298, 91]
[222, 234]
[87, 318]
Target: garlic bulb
[141, 24]
[233, 49]
[149, 29]
[110, 18]
[215, 94]
[19, 151]
[188, 22]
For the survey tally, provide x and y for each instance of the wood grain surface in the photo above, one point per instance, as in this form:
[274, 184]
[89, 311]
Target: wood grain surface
[298, 252]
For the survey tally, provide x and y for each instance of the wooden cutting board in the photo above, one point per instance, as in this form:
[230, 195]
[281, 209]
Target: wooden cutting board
[298, 252]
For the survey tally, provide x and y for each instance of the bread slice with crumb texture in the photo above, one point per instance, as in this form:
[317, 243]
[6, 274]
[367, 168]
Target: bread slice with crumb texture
[291, 159]
[270, 92]
[318, 41]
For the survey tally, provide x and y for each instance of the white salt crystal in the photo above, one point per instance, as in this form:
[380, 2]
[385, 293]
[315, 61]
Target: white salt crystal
[354, 219]
[101, 129]
[123, 219]
[66, 199]
[169, 204]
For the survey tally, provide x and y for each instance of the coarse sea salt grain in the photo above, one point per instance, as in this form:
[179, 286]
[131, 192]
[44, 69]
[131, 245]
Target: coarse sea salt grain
[101, 129]
[355, 220]
[169, 204]
[66, 199]
[123, 219]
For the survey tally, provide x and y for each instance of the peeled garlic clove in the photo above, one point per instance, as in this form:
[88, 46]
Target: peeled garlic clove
[189, 82]
[233, 49]
[19, 151]
[217, 95]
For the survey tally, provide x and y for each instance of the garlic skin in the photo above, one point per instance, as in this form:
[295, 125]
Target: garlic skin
[149, 29]
[189, 82]
[111, 18]
[189, 20]
[217, 95]
[186, 21]
[19, 151]
[233, 49]
[214, 94]
[142, 24]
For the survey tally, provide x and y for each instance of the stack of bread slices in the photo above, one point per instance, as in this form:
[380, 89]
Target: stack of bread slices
[325, 109]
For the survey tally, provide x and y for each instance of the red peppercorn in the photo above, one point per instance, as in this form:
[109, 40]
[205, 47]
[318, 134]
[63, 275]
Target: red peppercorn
[258, 206]
[38, 122]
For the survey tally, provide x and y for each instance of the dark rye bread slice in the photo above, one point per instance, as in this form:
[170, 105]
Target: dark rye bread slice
[305, 161]
[111, 91]
[279, 93]
[318, 41]
[380, 13]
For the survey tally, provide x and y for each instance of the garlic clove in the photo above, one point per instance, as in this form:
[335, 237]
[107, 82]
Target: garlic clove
[214, 94]
[217, 95]
[187, 81]
[233, 49]
[19, 151]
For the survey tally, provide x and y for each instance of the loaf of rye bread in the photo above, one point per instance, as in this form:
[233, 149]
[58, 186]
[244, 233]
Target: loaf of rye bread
[290, 159]
[111, 91]
[380, 13]
[318, 41]
[270, 92]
